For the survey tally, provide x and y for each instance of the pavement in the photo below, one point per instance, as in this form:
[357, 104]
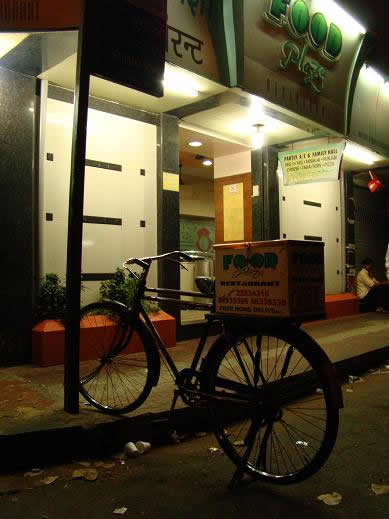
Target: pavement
[189, 479]
[34, 428]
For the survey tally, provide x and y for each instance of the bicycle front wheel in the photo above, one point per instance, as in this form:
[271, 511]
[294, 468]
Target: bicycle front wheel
[117, 365]
[274, 402]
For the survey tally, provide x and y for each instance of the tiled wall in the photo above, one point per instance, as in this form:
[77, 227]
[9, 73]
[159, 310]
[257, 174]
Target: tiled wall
[120, 215]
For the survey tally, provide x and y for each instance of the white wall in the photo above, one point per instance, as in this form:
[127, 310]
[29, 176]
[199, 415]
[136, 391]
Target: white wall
[126, 195]
[235, 164]
[197, 197]
[298, 220]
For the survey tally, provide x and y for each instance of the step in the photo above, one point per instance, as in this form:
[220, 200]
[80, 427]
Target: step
[341, 305]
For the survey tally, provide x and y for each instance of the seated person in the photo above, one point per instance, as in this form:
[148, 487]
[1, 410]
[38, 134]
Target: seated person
[373, 293]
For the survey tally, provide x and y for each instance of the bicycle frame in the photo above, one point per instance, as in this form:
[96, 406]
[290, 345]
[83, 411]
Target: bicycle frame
[160, 297]
[183, 304]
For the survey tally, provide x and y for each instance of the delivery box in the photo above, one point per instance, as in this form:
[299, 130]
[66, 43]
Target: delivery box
[281, 278]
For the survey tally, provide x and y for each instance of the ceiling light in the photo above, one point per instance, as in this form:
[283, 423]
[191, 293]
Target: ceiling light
[371, 75]
[385, 88]
[205, 160]
[339, 16]
[257, 138]
[179, 83]
[354, 152]
[8, 41]
[256, 108]
[179, 88]
[195, 144]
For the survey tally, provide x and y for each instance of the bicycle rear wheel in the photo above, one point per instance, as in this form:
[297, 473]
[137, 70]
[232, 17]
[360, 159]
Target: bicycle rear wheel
[112, 378]
[274, 402]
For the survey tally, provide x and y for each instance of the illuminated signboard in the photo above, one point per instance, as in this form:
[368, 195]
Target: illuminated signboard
[315, 33]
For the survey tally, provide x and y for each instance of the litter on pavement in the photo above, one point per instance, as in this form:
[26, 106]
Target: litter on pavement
[49, 480]
[331, 499]
[120, 511]
[87, 474]
[133, 450]
[380, 489]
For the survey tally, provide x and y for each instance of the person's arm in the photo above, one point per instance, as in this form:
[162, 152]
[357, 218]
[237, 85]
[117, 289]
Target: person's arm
[367, 280]
[387, 262]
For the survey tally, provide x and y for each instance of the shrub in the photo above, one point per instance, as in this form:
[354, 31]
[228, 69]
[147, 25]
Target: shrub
[122, 288]
[51, 301]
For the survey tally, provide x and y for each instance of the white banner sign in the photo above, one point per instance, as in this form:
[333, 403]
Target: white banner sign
[321, 164]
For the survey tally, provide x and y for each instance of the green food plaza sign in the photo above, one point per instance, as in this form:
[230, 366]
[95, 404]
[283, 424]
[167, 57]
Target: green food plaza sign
[315, 33]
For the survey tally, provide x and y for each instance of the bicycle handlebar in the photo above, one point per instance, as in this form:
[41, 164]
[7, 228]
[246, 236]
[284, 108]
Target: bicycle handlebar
[145, 262]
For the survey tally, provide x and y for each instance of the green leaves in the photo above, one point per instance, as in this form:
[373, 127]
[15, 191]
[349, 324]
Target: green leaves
[51, 301]
[122, 288]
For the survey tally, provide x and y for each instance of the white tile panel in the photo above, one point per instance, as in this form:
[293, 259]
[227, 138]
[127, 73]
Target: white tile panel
[126, 195]
[298, 220]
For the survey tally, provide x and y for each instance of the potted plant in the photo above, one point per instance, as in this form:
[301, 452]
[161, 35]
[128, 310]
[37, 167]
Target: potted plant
[51, 301]
[48, 334]
[121, 288]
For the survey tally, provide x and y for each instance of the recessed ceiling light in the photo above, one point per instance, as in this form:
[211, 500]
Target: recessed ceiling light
[195, 144]
[207, 162]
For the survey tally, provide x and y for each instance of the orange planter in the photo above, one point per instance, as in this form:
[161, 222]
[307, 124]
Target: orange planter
[48, 338]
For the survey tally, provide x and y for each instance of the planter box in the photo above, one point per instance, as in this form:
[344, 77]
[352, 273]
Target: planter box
[48, 338]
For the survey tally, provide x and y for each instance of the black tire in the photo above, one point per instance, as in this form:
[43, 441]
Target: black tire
[114, 380]
[281, 422]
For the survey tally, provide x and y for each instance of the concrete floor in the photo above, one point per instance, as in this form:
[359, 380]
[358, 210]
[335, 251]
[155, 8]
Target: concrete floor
[186, 480]
[31, 398]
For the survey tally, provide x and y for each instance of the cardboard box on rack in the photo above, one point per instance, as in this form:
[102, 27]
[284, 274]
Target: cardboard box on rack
[280, 278]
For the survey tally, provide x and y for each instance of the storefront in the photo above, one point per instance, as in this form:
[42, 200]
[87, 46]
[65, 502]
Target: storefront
[246, 83]
[367, 231]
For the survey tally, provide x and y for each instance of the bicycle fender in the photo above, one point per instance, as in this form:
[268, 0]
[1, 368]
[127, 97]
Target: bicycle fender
[156, 367]
[148, 342]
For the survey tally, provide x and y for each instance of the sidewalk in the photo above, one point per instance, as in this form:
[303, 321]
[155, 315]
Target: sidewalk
[35, 430]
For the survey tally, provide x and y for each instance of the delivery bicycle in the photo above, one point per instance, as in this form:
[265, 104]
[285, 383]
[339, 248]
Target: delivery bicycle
[270, 390]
